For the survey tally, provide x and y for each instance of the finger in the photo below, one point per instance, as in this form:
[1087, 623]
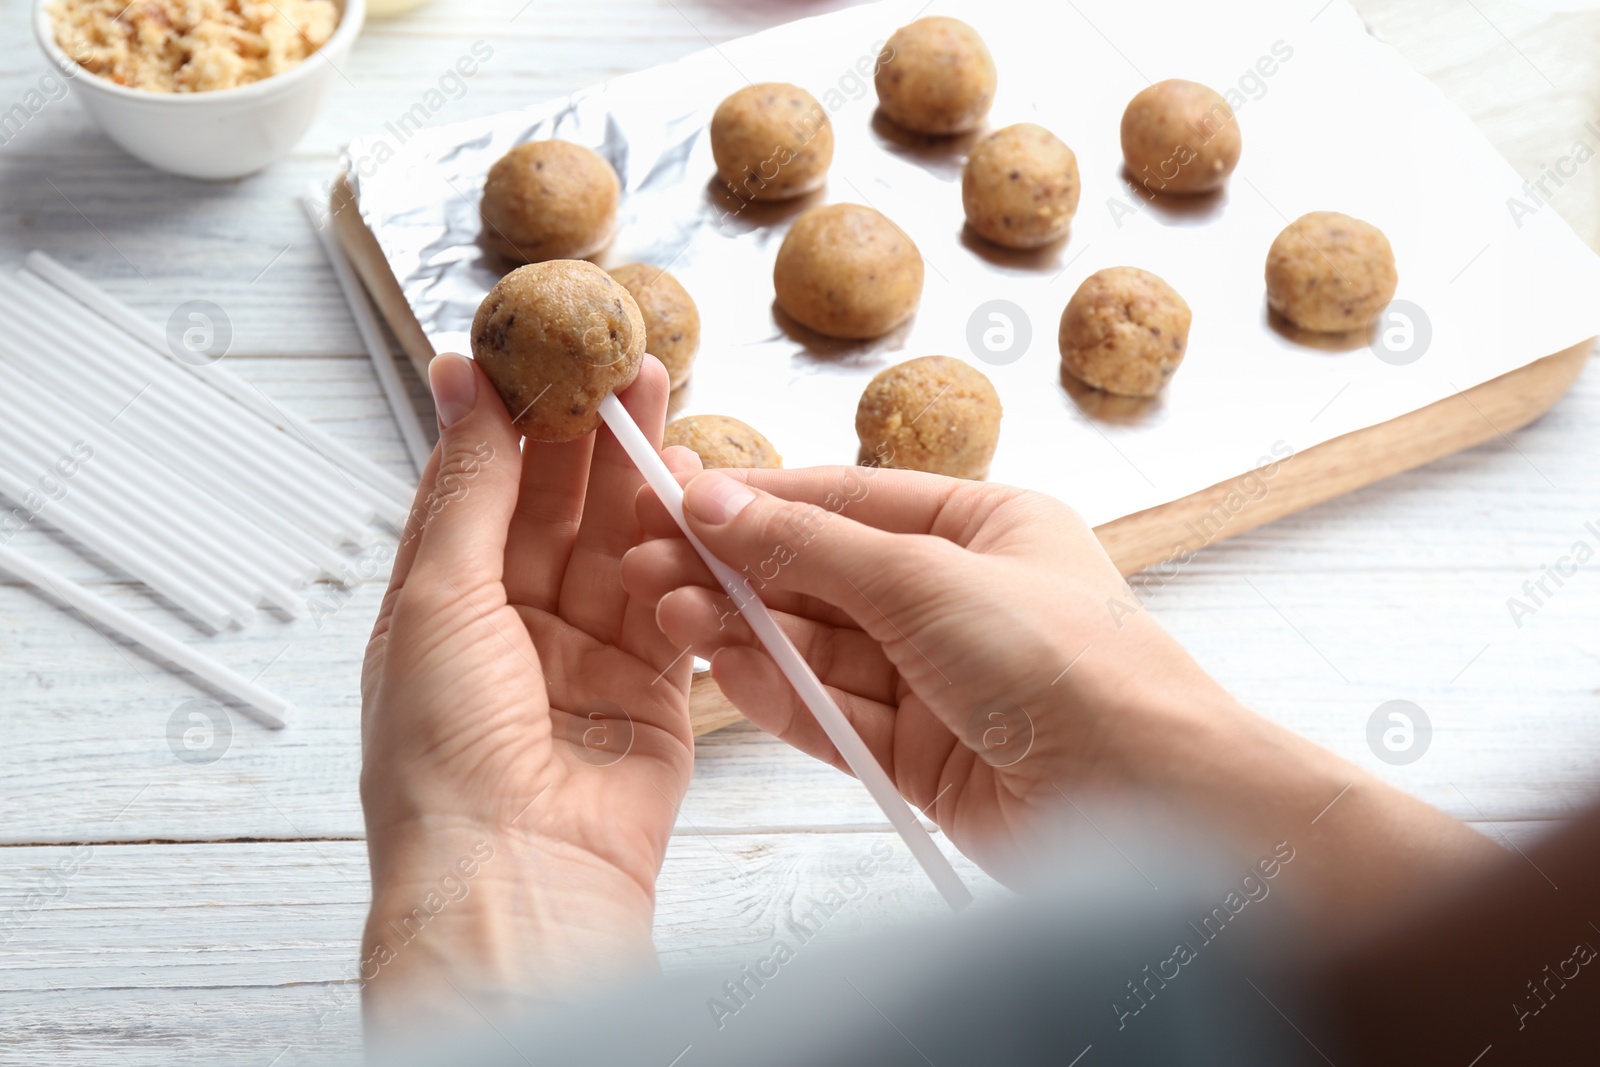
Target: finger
[475, 489]
[759, 690]
[545, 523]
[803, 547]
[655, 568]
[640, 634]
[684, 464]
[405, 552]
[592, 597]
[654, 519]
[842, 657]
[896, 501]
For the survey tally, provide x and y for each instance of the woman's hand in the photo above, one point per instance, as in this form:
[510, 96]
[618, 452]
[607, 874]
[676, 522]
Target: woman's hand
[962, 626]
[999, 667]
[525, 729]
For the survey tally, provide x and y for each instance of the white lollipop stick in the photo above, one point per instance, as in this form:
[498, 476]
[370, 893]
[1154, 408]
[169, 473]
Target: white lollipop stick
[260, 704]
[392, 496]
[792, 664]
[405, 414]
[68, 516]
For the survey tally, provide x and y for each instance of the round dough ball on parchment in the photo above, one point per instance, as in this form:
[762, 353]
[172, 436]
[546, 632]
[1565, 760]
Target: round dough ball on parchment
[1330, 273]
[935, 76]
[846, 271]
[722, 441]
[671, 319]
[555, 338]
[771, 141]
[934, 414]
[1124, 331]
[549, 200]
[1020, 187]
[1180, 137]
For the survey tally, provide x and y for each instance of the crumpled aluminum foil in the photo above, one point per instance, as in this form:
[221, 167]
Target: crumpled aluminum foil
[1331, 119]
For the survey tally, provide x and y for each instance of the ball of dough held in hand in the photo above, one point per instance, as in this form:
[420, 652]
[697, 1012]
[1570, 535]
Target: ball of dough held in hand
[1330, 273]
[1124, 331]
[1180, 137]
[671, 320]
[549, 200]
[771, 141]
[555, 338]
[935, 76]
[846, 271]
[1020, 187]
[932, 414]
[721, 441]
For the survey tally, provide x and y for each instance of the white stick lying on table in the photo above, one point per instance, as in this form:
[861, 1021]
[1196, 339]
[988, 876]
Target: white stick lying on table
[405, 413]
[72, 516]
[143, 497]
[794, 667]
[275, 462]
[235, 488]
[259, 704]
[392, 495]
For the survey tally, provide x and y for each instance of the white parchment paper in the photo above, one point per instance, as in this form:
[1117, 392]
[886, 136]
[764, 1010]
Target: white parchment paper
[1331, 120]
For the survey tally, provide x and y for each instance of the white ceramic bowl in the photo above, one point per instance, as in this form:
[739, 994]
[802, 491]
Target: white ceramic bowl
[216, 135]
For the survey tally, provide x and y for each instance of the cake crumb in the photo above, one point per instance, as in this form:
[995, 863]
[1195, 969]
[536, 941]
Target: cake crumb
[191, 46]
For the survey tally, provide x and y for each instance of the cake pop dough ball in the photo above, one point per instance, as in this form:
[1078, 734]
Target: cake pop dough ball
[671, 320]
[935, 76]
[721, 441]
[1180, 137]
[555, 338]
[1330, 273]
[549, 200]
[771, 141]
[846, 271]
[1124, 331]
[932, 414]
[1020, 187]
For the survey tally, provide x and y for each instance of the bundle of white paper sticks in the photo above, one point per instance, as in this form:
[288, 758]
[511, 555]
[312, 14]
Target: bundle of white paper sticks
[182, 475]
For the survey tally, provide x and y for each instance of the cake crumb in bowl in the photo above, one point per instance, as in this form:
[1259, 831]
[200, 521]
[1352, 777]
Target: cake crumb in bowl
[191, 46]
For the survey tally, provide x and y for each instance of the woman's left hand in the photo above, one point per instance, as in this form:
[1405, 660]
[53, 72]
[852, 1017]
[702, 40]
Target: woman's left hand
[525, 728]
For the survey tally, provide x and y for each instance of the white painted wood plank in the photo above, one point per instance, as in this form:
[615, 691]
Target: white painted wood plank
[247, 1026]
[273, 913]
[239, 953]
[231, 914]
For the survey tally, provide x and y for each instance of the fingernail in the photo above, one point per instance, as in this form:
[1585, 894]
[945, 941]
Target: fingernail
[715, 499]
[455, 387]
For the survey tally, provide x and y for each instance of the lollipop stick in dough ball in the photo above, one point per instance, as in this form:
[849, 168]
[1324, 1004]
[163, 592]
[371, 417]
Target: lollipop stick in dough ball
[722, 441]
[771, 141]
[933, 414]
[935, 76]
[549, 200]
[1020, 187]
[671, 319]
[1124, 331]
[555, 338]
[1180, 137]
[846, 271]
[1330, 273]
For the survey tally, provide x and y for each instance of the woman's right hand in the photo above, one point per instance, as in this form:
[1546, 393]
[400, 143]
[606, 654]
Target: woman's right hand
[999, 668]
[977, 636]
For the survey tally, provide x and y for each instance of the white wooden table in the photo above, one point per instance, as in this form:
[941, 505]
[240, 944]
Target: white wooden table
[154, 911]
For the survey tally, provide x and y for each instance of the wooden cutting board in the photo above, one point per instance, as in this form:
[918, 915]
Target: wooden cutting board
[1158, 534]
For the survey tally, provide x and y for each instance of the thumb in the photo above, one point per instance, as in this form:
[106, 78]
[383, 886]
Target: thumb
[801, 547]
[467, 511]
